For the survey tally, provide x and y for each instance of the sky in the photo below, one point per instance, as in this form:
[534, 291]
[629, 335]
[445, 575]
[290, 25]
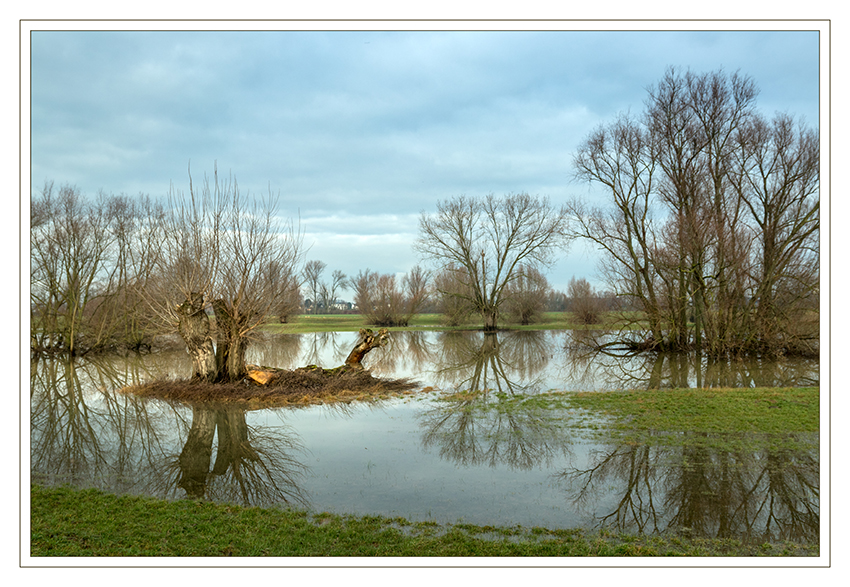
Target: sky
[359, 132]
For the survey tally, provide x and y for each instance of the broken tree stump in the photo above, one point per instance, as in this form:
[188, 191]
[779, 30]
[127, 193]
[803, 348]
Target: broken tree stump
[368, 340]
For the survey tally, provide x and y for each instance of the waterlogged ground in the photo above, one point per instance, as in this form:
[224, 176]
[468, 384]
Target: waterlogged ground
[491, 440]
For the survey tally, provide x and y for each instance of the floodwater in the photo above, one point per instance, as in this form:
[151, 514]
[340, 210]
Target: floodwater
[423, 458]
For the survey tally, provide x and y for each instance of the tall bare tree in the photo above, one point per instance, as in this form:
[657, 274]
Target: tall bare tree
[80, 257]
[330, 291]
[622, 158]
[777, 180]
[694, 119]
[490, 238]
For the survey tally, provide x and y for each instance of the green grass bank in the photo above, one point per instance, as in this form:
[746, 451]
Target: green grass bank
[304, 323]
[90, 523]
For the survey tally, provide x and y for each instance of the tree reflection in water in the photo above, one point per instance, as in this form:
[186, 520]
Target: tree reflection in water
[281, 350]
[589, 368]
[765, 495]
[475, 427]
[249, 467]
[81, 434]
[481, 362]
[407, 351]
[86, 434]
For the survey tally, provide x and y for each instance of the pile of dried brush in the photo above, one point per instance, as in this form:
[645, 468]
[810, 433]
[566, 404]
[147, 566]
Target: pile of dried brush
[298, 387]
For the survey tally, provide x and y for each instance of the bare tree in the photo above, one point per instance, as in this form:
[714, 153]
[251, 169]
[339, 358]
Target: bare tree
[312, 275]
[490, 238]
[329, 292]
[451, 285]
[77, 261]
[120, 312]
[527, 295]
[585, 303]
[288, 283]
[693, 119]
[778, 182]
[704, 194]
[622, 158]
[225, 251]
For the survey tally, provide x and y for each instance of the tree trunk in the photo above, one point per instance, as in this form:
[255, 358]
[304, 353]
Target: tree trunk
[231, 346]
[194, 328]
[490, 316]
[368, 341]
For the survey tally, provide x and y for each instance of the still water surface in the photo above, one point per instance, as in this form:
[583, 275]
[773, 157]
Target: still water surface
[421, 457]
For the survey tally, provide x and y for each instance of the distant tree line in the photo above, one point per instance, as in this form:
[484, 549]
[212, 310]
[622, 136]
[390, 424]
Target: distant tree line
[113, 271]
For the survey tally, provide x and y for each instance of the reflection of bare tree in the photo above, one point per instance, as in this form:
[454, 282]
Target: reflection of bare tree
[65, 443]
[84, 434]
[248, 468]
[768, 495]
[482, 428]
[317, 345]
[792, 501]
[580, 364]
[279, 350]
[408, 351]
[525, 353]
[88, 435]
[650, 370]
[479, 431]
[636, 507]
[481, 362]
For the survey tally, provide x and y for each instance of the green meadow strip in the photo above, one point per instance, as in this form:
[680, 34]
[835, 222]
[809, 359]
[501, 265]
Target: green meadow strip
[88, 523]
[307, 323]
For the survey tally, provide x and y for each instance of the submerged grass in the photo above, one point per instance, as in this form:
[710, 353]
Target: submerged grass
[90, 523]
[725, 418]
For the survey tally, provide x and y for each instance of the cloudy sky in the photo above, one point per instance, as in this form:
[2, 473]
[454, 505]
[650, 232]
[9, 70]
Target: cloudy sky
[360, 131]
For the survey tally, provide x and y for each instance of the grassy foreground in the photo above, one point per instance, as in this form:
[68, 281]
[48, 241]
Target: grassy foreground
[67, 522]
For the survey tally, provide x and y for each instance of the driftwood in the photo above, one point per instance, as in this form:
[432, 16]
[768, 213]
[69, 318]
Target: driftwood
[368, 340]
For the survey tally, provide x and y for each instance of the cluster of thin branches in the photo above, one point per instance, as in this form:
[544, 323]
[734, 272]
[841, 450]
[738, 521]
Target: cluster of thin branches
[712, 218]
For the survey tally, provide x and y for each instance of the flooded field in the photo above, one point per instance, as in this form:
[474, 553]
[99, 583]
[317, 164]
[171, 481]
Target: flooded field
[422, 456]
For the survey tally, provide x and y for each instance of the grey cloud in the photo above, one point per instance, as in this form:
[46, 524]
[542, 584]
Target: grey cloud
[359, 131]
